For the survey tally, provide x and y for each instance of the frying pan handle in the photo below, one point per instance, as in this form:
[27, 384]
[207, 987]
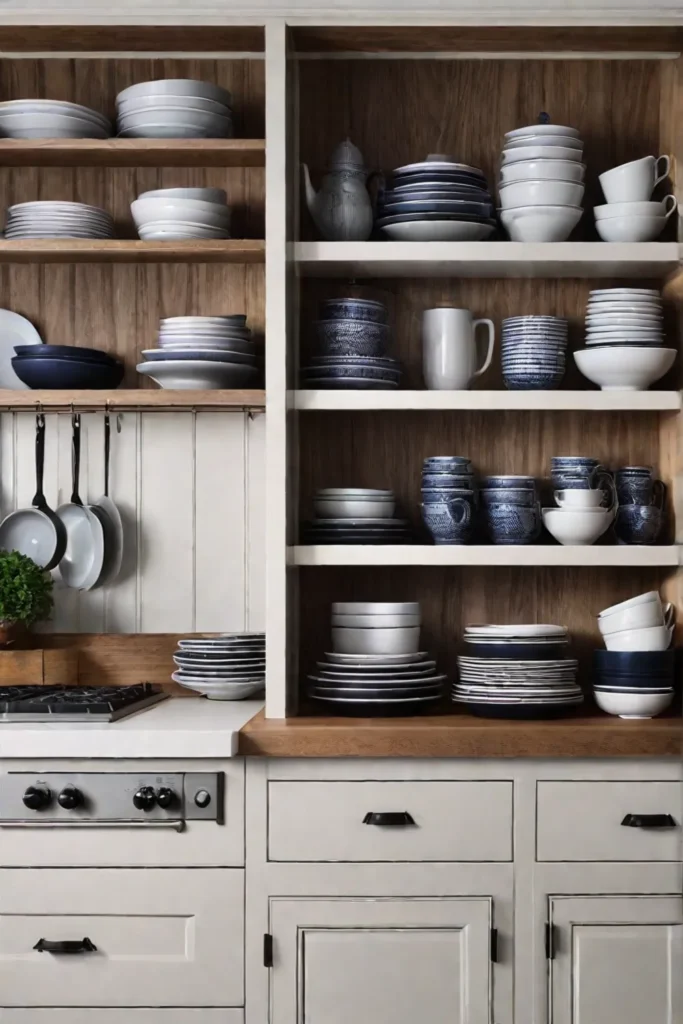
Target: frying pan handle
[107, 449]
[76, 457]
[39, 497]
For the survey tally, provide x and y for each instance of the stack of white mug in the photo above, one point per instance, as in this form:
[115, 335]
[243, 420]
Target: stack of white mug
[450, 356]
[630, 214]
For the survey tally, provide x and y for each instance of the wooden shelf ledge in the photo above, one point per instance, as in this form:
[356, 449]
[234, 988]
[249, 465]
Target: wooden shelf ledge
[484, 401]
[132, 250]
[614, 556]
[456, 734]
[487, 259]
[133, 399]
[132, 152]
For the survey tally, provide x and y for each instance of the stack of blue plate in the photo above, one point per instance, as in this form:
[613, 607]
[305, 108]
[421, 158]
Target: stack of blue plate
[436, 199]
[533, 352]
[357, 531]
[353, 335]
[66, 366]
[352, 372]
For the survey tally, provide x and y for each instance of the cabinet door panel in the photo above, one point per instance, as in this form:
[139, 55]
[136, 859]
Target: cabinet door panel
[138, 1015]
[381, 961]
[618, 959]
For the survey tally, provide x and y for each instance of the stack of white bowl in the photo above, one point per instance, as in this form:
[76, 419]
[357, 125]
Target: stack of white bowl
[541, 183]
[177, 214]
[44, 219]
[174, 108]
[51, 119]
[371, 627]
[624, 339]
[203, 352]
[630, 214]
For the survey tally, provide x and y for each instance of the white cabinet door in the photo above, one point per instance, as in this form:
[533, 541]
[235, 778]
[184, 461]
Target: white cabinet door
[380, 961]
[618, 960]
[137, 1015]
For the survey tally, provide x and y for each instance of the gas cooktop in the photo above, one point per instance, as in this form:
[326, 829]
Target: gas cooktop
[75, 703]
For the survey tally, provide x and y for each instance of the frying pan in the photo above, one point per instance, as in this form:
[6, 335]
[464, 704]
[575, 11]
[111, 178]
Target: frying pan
[37, 531]
[110, 517]
[81, 563]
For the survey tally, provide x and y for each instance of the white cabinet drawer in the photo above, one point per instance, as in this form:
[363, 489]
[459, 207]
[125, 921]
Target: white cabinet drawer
[163, 937]
[138, 1015]
[582, 821]
[451, 821]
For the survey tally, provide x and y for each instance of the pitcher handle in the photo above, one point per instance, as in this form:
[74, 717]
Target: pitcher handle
[667, 166]
[489, 352]
[658, 493]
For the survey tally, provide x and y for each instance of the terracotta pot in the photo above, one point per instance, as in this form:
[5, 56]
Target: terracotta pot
[9, 633]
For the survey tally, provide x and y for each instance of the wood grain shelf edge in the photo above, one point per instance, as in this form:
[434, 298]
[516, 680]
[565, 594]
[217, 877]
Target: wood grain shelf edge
[133, 399]
[132, 250]
[132, 152]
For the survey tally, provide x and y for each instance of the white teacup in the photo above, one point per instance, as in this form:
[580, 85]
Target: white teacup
[635, 181]
[650, 638]
[576, 498]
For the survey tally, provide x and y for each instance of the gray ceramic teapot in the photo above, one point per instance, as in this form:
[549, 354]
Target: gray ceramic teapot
[341, 208]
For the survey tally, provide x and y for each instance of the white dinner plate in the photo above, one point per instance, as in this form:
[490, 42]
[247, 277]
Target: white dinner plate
[14, 330]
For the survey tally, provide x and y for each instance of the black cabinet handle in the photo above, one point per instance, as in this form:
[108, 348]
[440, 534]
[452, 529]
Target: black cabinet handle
[66, 946]
[649, 821]
[390, 818]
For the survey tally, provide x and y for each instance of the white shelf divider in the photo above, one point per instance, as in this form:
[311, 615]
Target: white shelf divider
[485, 554]
[487, 259]
[481, 401]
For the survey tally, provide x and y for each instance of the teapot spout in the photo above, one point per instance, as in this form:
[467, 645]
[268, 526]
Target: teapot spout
[310, 191]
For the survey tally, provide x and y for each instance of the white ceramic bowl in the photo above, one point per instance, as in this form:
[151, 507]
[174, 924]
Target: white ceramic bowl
[375, 608]
[544, 130]
[400, 640]
[620, 368]
[147, 212]
[642, 209]
[630, 228]
[577, 525]
[539, 139]
[170, 232]
[579, 498]
[375, 621]
[161, 103]
[509, 156]
[540, 192]
[200, 374]
[359, 508]
[541, 170]
[633, 705]
[635, 616]
[653, 638]
[205, 195]
[177, 117]
[176, 87]
[334, 493]
[651, 595]
[540, 223]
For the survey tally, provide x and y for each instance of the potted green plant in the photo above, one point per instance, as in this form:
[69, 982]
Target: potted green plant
[25, 595]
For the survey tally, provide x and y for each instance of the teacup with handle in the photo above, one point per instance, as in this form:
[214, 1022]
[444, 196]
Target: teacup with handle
[635, 181]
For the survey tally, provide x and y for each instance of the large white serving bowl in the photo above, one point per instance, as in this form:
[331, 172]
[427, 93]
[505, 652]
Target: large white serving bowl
[536, 152]
[633, 705]
[201, 374]
[577, 525]
[397, 640]
[540, 223]
[651, 638]
[205, 195]
[161, 103]
[540, 192]
[630, 228]
[177, 117]
[152, 211]
[635, 616]
[375, 621]
[621, 368]
[541, 170]
[354, 508]
[161, 130]
[438, 231]
[542, 129]
[176, 87]
[548, 141]
[179, 230]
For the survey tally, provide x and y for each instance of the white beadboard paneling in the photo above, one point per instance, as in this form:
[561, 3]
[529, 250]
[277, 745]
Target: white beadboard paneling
[256, 524]
[166, 522]
[220, 497]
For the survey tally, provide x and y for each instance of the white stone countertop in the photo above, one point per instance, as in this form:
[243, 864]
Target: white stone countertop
[175, 728]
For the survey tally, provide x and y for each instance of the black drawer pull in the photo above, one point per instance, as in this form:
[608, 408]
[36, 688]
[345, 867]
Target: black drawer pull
[66, 946]
[649, 821]
[390, 818]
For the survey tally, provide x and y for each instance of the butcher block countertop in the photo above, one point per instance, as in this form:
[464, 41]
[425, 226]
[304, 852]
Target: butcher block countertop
[460, 735]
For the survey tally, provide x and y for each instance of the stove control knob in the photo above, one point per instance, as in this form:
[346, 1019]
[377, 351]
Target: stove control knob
[37, 797]
[69, 798]
[202, 798]
[145, 799]
[165, 797]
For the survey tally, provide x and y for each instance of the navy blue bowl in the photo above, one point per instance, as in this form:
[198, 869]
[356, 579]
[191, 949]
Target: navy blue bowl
[634, 662]
[363, 310]
[64, 352]
[644, 682]
[523, 652]
[57, 374]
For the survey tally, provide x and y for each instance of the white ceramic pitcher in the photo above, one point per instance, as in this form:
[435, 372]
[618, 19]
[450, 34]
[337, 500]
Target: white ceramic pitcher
[449, 349]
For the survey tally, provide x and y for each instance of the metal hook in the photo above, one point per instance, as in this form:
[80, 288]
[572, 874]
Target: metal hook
[119, 421]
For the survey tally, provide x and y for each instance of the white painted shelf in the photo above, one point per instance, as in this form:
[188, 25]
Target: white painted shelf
[487, 259]
[481, 401]
[483, 554]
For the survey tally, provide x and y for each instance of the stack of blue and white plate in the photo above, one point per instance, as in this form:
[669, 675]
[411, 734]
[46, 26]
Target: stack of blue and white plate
[436, 199]
[231, 666]
[353, 336]
[534, 352]
[517, 672]
[355, 515]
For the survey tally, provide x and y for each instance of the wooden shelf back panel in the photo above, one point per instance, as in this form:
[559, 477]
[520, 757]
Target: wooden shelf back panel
[131, 38]
[38, 667]
[158, 153]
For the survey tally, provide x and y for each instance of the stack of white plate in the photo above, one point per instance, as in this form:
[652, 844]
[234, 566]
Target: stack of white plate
[203, 352]
[51, 119]
[624, 316]
[386, 683]
[175, 214]
[231, 666]
[46, 219]
[174, 108]
[517, 672]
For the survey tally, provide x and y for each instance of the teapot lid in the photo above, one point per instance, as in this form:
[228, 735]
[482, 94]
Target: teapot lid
[347, 155]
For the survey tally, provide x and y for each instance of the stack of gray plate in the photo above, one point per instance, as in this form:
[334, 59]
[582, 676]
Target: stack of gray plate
[45, 219]
[174, 108]
[51, 119]
[231, 666]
